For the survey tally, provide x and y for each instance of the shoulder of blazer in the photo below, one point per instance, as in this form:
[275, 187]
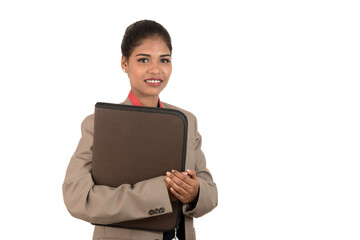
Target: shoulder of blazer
[192, 121]
[188, 114]
[88, 123]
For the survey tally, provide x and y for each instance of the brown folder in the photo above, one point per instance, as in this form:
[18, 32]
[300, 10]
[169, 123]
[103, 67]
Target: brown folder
[133, 144]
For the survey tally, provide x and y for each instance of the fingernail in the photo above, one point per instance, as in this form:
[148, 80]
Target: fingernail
[168, 179]
[167, 173]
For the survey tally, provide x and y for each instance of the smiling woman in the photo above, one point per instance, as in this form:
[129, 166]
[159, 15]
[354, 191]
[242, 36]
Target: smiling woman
[149, 69]
[146, 49]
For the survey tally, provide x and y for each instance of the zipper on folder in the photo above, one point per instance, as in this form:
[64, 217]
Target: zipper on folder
[175, 233]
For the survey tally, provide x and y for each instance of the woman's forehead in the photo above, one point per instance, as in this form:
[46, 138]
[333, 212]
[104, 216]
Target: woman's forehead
[155, 45]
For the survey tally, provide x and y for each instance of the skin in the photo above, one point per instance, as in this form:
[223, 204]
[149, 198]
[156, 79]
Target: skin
[151, 59]
[183, 186]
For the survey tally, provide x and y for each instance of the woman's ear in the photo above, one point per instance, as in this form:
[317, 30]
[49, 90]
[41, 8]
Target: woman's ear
[124, 63]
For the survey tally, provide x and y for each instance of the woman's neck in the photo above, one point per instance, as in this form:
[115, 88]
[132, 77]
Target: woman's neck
[147, 101]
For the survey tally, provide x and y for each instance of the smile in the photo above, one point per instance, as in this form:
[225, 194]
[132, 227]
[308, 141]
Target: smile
[153, 82]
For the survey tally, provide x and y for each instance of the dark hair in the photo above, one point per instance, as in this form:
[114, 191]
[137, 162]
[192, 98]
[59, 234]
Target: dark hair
[140, 30]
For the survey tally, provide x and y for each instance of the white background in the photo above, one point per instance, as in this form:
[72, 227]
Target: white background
[274, 85]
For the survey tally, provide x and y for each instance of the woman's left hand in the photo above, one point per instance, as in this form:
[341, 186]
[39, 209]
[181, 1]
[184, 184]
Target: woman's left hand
[183, 185]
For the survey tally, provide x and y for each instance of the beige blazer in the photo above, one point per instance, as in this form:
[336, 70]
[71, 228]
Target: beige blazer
[106, 205]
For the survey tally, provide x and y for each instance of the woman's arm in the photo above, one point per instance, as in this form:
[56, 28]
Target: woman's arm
[195, 188]
[106, 205]
[207, 198]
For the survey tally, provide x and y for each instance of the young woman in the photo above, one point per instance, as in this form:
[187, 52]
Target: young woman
[146, 49]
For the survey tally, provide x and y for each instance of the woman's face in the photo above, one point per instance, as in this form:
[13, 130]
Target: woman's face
[148, 67]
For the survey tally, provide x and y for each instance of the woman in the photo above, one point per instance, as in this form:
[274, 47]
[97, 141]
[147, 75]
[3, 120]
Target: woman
[146, 49]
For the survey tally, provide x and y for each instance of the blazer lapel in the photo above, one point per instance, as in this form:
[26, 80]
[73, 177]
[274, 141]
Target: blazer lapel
[127, 102]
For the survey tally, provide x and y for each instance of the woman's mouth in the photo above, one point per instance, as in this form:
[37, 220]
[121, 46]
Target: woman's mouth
[153, 82]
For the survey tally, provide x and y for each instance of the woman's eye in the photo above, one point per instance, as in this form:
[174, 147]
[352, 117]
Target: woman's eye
[165, 60]
[143, 60]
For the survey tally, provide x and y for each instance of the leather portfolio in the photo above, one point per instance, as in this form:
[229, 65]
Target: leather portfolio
[133, 144]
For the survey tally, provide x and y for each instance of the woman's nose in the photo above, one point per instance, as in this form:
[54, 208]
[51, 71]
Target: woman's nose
[154, 68]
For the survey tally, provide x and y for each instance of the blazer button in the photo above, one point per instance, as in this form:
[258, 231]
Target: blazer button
[151, 212]
[161, 210]
[157, 211]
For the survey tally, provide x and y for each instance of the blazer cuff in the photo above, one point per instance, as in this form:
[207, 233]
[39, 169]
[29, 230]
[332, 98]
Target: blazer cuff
[164, 203]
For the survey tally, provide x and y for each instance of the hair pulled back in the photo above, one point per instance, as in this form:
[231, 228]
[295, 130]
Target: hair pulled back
[139, 31]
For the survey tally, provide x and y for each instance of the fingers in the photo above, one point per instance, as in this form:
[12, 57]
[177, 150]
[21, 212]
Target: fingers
[171, 196]
[183, 185]
[177, 191]
[177, 183]
[166, 182]
[191, 173]
[177, 194]
[180, 178]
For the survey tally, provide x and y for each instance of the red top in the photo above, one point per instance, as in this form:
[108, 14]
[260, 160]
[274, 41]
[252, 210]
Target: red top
[136, 102]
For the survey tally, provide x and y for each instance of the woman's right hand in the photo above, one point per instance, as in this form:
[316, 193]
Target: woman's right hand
[171, 196]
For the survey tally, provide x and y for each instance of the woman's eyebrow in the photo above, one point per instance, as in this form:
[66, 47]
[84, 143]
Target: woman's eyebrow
[148, 55]
[143, 54]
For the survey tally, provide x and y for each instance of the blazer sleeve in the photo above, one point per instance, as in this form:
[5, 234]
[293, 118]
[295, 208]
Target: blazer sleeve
[207, 198]
[101, 204]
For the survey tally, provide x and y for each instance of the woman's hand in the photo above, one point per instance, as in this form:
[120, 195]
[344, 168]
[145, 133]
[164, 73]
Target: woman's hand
[183, 185]
[171, 196]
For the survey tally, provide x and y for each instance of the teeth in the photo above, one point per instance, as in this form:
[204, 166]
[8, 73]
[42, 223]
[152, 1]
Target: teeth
[153, 81]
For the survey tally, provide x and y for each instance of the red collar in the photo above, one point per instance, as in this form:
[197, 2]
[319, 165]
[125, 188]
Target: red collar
[136, 102]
